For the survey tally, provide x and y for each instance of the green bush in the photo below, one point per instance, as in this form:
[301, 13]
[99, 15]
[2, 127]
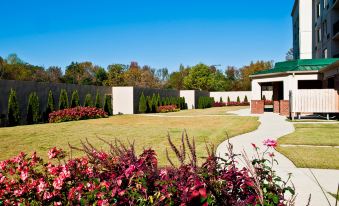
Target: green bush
[98, 101]
[13, 109]
[205, 102]
[228, 100]
[50, 105]
[88, 101]
[246, 100]
[33, 113]
[108, 105]
[142, 103]
[154, 103]
[264, 97]
[75, 99]
[220, 100]
[63, 100]
[238, 99]
[149, 104]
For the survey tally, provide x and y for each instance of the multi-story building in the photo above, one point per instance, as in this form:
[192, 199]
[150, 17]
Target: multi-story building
[315, 29]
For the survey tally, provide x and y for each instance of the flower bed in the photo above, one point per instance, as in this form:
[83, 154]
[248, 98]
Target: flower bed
[119, 177]
[77, 113]
[238, 103]
[219, 104]
[167, 108]
[268, 102]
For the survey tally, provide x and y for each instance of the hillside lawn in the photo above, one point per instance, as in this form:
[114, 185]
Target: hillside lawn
[146, 131]
[310, 156]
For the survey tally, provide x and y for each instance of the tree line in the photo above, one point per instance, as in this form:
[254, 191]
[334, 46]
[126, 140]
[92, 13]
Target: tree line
[199, 77]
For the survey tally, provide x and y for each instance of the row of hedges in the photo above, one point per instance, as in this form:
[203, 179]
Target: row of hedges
[150, 104]
[238, 99]
[120, 177]
[205, 102]
[34, 115]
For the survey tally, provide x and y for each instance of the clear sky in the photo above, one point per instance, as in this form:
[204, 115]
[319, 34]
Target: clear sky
[159, 33]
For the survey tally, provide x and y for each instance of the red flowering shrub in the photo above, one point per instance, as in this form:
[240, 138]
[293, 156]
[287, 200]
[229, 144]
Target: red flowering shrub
[219, 104]
[238, 104]
[119, 177]
[167, 108]
[77, 113]
[268, 102]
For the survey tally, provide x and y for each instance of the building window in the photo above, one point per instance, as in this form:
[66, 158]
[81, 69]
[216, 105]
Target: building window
[325, 4]
[319, 35]
[318, 9]
[325, 53]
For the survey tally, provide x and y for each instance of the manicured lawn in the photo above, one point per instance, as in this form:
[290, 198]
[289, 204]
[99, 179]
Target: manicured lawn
[145, 131]
[316, 135]
[313, 134]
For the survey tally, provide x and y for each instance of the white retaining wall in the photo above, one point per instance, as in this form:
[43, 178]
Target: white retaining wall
[123, 102]
[233, 95]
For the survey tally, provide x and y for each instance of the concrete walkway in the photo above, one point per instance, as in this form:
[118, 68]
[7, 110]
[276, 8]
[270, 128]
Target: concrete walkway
[274, 126]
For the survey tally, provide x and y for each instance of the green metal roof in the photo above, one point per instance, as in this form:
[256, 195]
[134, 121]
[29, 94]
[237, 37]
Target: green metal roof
[298, 65]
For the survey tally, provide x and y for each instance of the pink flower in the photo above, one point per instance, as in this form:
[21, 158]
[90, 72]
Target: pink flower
[57, 183]
[24, 175]
[2, 178]
[18, 193]
[129, 170]
[3, 165]
[57, 203]
[52, 153]
[47, 195]
[271, 143]
[103, 202]
[163, 173]
[42, 186]
[271, 154]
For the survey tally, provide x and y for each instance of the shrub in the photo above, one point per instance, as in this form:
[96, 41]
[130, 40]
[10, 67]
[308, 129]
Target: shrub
[238, 104]
[98, 101]
[13, 109]
[77, 113]
[149, 104]
[268, 102]
[142, 103]
[245, 99]
[238, 99]
[219, 104]
[63, 100]
[168, 108]
[220, 100]
[108, 105]
[228, 100]
[205, 102]
[154, 103]
[33, 114]
[75, 99]
[120, 177]
[264, 97]
[49, 106]
[88, 101]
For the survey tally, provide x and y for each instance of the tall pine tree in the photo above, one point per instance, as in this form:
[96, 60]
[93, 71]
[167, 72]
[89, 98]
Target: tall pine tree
[13, 109]
[63, 100]
[75, 99]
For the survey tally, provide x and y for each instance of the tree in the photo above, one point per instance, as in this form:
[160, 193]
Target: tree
[116, 75]
[200, 77]
[221, 100]
[63, 100]
[13, 109]
[50, 105]
[54, 74]
[108, 105]
[88, 101]
[132, 77]
[228, 99]
[14, 59]
[98, 101]
[247, 71]
[142, 103]
[100, 76]
[149, 104]
[33, 114]
[75, 99]
[290, 55]
[245, 99]
[238, 99]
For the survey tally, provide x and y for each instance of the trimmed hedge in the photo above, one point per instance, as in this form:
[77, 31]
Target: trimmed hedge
[13, 109]
[205, 102]
[33, 113]
[75, 99]
[150, 104]
[63, 100]
[108, 105]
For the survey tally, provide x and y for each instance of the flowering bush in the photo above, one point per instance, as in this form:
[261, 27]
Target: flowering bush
[77, 113]
[238, 103]
[167, 108]
[268, 102]
[219, 104]
[119, 177]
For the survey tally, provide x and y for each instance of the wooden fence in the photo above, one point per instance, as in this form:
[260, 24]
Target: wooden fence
[314, 101]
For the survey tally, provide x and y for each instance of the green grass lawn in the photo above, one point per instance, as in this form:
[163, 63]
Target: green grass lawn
[316, 135]
[145, 131]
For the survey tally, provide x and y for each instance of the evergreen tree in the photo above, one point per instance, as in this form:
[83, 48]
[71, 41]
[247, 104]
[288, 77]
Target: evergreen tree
[238, 99]
[33, 114]
[50, 105]
[158, 100]
[142, 103]
[264, 97]
[246, 100]
[88, 101]
[98, 101]
[108, 105]
[149, 104]
[63, 100]
[228, 99]
[221, 100]
[154, 103]
[13, 109]
[75, 99]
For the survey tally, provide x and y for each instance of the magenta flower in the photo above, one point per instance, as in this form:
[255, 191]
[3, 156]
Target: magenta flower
[271, 143]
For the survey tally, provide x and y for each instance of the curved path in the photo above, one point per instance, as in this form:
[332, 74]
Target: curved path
[274, 126]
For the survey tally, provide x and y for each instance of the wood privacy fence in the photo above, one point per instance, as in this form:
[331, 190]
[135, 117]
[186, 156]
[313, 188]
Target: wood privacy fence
[314, 101]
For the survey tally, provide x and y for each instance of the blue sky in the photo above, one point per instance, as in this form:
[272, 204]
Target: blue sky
[156, 33]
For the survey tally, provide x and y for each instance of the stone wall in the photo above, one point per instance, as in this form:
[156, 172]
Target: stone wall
[24, 88]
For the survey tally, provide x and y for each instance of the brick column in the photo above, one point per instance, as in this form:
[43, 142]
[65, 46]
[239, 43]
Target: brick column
[257, 106]
[276, 107]
[285, 107]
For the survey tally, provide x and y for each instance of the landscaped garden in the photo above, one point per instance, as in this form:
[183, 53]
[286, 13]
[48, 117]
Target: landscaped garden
[145, 131]
[312, 146]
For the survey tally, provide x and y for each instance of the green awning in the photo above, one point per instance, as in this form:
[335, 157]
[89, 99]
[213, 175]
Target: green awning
[298, 65]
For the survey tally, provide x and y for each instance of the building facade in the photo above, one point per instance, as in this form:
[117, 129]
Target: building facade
[315, 29]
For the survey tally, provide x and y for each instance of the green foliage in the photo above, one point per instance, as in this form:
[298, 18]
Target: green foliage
[228, 100]
[98, 101]
[142, 103]
[63, 100]
[108, 105]
[50, 105]
[264, 97]
[220, 100]
[75, 99]
[33, 113]
[13, 109]
[205, 102]
[245, 99]
[238, 99]
[88, 101]
[154, 103]
[149, 104]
